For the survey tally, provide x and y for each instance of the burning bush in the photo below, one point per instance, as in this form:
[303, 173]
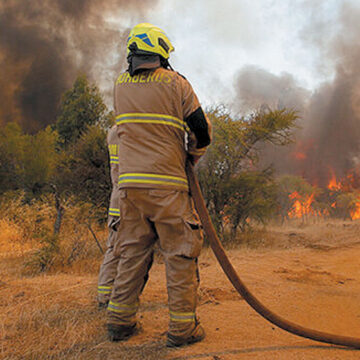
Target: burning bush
[298, 199]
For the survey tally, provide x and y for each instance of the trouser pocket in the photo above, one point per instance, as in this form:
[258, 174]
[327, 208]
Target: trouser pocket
[113, 223]
[193, 237]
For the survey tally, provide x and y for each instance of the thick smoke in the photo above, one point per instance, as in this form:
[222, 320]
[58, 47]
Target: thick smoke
[334, 114]
[330, 116]
[44, 44]
[255, 86]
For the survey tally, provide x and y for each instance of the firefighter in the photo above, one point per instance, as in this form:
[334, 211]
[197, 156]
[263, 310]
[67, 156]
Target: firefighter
[160, 123]
[108, 267]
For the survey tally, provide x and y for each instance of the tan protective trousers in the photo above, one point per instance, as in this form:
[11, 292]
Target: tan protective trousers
[148, 215]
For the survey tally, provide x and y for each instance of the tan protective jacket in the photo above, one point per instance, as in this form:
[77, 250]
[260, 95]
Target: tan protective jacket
[157, 112]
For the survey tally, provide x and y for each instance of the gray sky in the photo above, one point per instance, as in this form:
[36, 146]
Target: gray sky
[215, 39]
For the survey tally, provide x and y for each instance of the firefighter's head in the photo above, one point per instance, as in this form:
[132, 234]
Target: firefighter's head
[147, 39]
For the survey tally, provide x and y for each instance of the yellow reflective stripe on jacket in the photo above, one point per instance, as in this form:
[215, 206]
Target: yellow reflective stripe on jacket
[182, 316]
[123, 308]
[113, 149]
[147, 118]
[113, 153]
[114, 159]
[104, 289]
[114, 212]
[145, 178]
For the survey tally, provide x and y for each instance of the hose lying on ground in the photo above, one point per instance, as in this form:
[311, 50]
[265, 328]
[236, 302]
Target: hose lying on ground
[240, 286]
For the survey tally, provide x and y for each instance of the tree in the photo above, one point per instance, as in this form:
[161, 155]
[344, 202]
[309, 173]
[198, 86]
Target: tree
[29, 160]
[219, 163]
[234, 150]
[82, 124]
[10, 154]
[83, 170]
[81, 106]
[39, 160]
[345, 205]
[253, 196]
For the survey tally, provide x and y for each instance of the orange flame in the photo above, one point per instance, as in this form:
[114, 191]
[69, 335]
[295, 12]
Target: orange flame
[356, 213]
[299, 155]
[333, 183]
[301, 205]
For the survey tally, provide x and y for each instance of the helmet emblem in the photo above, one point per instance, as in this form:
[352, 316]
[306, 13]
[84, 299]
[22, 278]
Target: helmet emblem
[144, 37]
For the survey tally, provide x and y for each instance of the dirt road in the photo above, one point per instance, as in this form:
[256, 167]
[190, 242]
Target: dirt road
[319, 289]
[314, 282]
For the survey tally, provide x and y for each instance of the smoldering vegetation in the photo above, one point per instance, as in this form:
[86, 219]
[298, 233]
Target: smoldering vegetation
[44, 45]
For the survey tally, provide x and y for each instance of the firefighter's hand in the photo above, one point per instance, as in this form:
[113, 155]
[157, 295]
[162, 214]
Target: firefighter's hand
[193, 159]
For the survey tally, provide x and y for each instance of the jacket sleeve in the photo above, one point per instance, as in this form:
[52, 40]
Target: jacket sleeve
[199, 136]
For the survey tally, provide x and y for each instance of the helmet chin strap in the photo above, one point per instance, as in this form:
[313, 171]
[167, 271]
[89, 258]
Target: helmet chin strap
[130, 68]
[165, 64]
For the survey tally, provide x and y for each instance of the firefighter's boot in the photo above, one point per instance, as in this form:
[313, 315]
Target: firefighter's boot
[198, 334]
[121, 332]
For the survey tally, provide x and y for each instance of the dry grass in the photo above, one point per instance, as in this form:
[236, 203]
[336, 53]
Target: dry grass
[46, 316]
[325, 233]
[11, 238]
[54, 315]
[44, 319]
[26, 230]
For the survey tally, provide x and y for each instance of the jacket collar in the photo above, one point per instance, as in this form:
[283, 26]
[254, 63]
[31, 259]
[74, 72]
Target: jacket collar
[137, 63]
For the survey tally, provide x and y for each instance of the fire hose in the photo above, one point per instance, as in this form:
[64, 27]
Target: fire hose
[240, 286]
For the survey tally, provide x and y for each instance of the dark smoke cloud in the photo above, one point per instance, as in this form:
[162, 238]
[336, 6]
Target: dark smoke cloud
[44, 44]
[330, 116]
[334, 113]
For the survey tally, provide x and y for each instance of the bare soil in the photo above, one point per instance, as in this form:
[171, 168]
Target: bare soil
[309, 275]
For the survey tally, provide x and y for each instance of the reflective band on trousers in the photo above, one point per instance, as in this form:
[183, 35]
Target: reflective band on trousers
[129, 178]
[123, 308]
[104, 289]
[145, 118]
[114, 212]
[182, 317]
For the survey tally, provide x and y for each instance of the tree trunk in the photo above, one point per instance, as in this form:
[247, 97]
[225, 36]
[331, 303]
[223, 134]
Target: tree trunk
[233, 232]
[59, 211]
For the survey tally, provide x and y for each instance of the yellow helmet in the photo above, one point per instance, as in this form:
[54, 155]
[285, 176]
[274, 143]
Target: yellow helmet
[150, 39]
